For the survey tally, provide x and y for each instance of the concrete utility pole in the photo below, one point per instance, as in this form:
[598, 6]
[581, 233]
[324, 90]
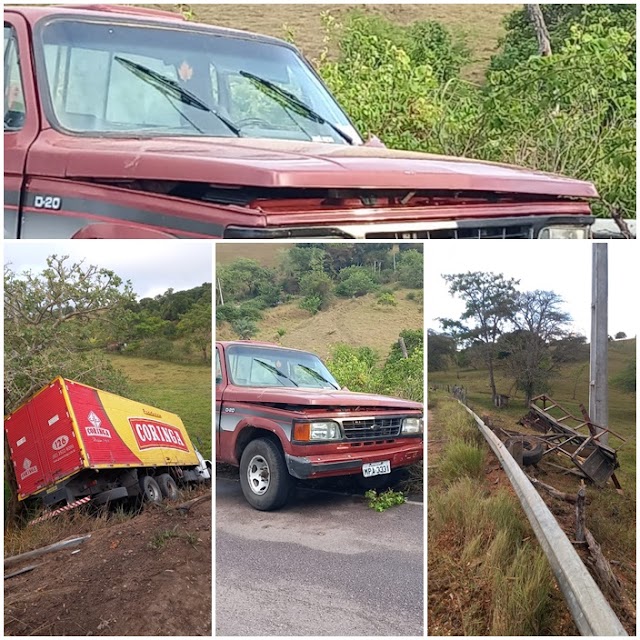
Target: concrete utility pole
[598, 362]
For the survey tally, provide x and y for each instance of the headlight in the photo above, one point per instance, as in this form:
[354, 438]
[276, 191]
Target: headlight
[316, 431]
[565, 232]
[412, 425]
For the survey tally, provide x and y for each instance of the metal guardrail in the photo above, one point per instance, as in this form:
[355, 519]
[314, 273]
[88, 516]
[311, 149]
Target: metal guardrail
[590, 610]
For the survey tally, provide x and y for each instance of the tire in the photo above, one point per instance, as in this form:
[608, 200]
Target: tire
[168, 486]
[264, 477]
[532, 450]
[150, 490]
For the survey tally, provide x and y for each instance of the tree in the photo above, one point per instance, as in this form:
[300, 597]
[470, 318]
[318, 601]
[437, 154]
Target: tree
[355, 282]
[317, 284]
[411, 269]
[53, 322]
[621, 335]
[538, 322]
[490, 303]
[196, 326]
[441, 351]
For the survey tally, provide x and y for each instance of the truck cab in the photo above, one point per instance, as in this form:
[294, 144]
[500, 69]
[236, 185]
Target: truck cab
[281, 416]
[126, 122]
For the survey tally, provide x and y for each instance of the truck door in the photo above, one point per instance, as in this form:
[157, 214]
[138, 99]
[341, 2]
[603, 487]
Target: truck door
[21, 117]
[220, 384]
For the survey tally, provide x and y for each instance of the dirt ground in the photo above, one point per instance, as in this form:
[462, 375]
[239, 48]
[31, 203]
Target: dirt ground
[148, 576]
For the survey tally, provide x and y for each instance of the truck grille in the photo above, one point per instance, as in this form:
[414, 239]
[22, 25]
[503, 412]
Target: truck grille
[502, 232]
[371, 428]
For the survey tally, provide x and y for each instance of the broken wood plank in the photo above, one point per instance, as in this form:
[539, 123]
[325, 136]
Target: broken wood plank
[580, 513]
[606, 577]
[186, 506]
[552, 490]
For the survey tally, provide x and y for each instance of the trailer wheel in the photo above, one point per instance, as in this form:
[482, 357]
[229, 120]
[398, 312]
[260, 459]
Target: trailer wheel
[168, 486]
[150, 490]
[264, 478]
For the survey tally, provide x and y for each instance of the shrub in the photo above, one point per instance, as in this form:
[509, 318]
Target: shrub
[317, 285]
[311, 304]
[355, 281]
[245, 328]
[386, 298]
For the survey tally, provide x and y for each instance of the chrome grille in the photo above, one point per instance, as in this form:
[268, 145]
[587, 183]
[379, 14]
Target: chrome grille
[461, 233]
[371, 428]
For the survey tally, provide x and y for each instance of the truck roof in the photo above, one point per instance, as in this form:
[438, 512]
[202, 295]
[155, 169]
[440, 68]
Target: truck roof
[133, 14]
[254, 343]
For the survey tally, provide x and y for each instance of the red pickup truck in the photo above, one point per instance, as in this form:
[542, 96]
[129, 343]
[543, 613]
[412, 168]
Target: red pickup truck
[125, 122]
[280, 415]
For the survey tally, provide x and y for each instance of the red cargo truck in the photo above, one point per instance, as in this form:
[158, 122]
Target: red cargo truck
[123, 122]
[71, 443]
[281, 416]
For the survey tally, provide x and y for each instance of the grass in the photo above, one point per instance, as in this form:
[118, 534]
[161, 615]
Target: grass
[73, 523]
[266, 254]
[179, 388]
[480, 25]
[487, 576]
[611, 517]
[160, 539]
[461, 459]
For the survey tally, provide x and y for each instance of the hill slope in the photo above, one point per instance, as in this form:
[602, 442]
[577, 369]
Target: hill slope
[357, 322]
[480, 23]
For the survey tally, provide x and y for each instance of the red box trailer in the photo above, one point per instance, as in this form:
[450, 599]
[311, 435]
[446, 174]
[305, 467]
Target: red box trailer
[70, 441]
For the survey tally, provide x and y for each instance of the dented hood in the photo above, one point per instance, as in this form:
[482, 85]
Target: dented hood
[282, 163]
[317, 398]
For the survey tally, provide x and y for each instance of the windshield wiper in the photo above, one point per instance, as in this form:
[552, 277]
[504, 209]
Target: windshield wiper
[288, 101]
[317, 376]
[273, 369]
[171, 89]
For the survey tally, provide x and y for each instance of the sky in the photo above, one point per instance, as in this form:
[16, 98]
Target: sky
[563, 267]
[152, 266]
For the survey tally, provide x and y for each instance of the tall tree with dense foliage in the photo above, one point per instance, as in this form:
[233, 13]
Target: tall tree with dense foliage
[490, 304]
[53, 322]
[539, 321]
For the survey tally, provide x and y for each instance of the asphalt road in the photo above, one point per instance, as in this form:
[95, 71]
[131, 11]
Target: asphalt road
[324, 565]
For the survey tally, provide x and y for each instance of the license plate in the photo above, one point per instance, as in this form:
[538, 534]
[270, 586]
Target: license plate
[376, 468]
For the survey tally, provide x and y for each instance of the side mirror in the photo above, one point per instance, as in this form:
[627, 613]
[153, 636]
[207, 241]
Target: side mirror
[375, 142]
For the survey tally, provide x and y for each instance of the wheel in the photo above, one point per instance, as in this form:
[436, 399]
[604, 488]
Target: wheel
[532, 449]
[264, 478]
[168, 487]
[150, 490]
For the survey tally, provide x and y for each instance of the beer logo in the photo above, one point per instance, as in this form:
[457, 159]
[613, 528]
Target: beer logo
[96, 431]
[29, 469]
[150, 434]
[60, 443]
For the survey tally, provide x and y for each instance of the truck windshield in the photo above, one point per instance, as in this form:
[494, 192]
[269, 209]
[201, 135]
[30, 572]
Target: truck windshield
[127, 79]
[253, 366]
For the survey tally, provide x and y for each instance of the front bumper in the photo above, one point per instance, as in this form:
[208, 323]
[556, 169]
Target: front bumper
[342, 464]
[498, 227]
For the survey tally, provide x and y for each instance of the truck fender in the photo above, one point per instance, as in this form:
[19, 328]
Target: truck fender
[241, 435]
[117, 231]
